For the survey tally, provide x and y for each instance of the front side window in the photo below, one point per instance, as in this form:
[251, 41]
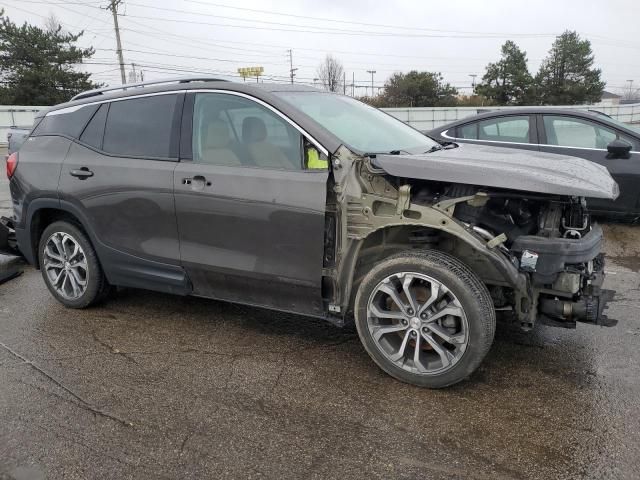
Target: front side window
[234, 131]
[140, 127]
[574, 132]
[358, 125]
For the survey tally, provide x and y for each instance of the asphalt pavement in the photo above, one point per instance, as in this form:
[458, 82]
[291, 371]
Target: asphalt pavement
[157, 386]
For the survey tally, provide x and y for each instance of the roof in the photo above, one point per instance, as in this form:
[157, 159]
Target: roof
[606, 95]
[264, 92]
[587, 114]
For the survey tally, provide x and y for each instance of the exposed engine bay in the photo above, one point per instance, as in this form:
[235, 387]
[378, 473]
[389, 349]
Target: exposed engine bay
[538, 253]
[552, 240]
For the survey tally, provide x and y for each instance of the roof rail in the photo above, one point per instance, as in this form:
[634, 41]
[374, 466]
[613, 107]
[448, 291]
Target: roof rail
[100, 91]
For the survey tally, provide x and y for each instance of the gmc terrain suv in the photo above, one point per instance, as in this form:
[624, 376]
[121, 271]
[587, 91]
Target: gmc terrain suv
[304, 201]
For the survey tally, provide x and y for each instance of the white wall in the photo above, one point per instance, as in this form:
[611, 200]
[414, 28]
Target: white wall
[422, 118]
[16, 116]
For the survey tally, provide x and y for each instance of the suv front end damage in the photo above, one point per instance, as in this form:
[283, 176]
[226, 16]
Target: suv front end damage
[536, 251]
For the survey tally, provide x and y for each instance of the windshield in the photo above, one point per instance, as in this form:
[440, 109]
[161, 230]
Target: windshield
[358, 125]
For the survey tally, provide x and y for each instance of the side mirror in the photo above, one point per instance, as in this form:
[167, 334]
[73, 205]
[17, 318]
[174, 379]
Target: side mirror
[619, 148]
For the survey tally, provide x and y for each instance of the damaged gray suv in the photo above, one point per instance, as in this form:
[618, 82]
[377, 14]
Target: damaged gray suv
[303, 201]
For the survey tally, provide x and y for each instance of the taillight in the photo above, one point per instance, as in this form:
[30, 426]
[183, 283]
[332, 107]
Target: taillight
[12, 164]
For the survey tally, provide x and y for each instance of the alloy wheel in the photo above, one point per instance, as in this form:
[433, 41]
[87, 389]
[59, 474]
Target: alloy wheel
[65, 265]
[417, 323]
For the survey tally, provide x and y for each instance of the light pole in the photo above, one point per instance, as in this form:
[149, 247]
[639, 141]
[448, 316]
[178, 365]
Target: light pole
[371, 72]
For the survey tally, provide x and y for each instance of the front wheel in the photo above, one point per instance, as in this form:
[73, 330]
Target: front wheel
[425, 318]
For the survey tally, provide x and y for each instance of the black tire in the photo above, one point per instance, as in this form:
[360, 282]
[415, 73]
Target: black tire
[463, 283]
[97, 287]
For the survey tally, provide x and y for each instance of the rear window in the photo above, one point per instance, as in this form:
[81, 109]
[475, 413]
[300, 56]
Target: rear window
[67, 121]
[141, 127]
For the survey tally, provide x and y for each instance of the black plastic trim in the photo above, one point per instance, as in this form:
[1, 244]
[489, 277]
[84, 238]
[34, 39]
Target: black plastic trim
[555, 253]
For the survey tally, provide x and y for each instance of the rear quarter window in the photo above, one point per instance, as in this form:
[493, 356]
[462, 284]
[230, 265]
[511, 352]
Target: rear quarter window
[67, 122]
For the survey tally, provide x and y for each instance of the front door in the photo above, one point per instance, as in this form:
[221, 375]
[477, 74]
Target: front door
[250, 215]
[586, 139]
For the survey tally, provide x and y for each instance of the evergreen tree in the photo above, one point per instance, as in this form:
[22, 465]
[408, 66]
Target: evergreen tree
[507, 82]
[417, 89]
[37, 64]
[567, 76]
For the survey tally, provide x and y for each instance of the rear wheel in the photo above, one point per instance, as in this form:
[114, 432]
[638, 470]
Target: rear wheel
[425, 318]
[70, 266]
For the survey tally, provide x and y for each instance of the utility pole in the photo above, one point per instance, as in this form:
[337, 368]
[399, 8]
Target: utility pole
[353, 84]
[113, 6]
[291, 69]
[473, 81]
[344, 83]
[371, 72]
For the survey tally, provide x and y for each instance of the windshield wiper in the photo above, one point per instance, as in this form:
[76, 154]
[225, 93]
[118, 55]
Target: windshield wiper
[435, 148]
[392, 152]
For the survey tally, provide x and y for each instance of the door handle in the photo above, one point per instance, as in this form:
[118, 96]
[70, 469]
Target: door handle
[197, 182]
[82, 173]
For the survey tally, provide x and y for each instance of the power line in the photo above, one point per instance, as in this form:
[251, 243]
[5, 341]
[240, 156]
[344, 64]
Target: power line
[308, 29]
[324, 19]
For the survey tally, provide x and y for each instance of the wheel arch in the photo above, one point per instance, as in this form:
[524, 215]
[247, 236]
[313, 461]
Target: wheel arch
[42, 213]
[490, 265]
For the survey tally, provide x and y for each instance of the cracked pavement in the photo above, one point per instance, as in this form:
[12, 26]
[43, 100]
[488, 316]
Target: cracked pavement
[156, 386]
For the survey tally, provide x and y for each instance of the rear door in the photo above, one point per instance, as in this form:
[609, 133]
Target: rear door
[119, 176]
[513, 131]
[250, 214]
[588, 139]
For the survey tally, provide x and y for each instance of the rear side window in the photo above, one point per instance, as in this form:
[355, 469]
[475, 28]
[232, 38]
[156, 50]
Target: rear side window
[67, 122]
[94, 131]
[140, 127]
[505, 129]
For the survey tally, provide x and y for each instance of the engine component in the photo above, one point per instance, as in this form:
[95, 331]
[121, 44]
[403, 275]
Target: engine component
[568, 282]
[587, 309]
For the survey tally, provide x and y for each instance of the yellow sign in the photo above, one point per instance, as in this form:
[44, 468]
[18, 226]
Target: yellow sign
[250, 72]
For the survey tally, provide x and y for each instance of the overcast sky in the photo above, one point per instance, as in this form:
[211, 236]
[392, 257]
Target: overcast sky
[456, 37]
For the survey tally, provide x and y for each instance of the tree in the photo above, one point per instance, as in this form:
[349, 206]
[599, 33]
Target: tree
[567, 76]
[417, 89]
[508, 81]
[37, 65]
[52, 24]
[331, 73]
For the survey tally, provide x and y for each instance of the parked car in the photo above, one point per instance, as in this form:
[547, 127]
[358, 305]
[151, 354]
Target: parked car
[591, 135]
[16, 137]
[304, 201]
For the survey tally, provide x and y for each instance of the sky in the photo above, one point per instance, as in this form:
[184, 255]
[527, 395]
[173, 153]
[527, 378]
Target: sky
[455, 37]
